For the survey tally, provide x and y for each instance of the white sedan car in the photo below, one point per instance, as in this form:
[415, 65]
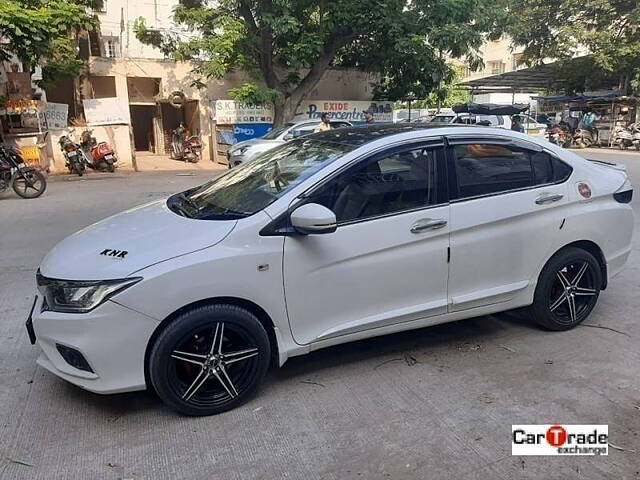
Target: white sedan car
[334, 237]
[247, 150]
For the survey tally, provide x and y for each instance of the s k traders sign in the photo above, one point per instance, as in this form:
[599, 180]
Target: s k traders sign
[559, 439]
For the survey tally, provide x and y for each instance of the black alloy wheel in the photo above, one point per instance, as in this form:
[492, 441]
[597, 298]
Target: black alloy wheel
[209, 360]
[567, 290]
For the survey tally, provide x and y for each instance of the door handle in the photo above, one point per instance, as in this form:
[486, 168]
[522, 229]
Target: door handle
[428, 224]
[549, 198]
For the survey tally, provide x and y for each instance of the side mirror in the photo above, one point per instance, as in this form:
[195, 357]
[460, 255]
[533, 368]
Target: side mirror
[287, 137]
[312, 218]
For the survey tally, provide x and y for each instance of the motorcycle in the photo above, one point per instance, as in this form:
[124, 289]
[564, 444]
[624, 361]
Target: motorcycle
[560, 135]
[185, 148]
[74, 158]
[26, 181]
[635, 131]
[622, 137]
[584, 138]
[101, 154]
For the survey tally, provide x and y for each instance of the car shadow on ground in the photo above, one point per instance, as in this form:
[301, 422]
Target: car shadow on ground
[377, 351]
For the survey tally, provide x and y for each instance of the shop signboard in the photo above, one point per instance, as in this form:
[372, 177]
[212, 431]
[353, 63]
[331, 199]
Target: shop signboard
[19, 85]
[247, 131]
[348, 110]
[54, 116]
[106, 111]
[230, 112]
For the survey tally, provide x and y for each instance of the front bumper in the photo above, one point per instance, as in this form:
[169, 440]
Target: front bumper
[112, 338]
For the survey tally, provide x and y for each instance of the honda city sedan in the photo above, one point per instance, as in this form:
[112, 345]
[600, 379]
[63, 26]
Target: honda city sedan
[334, 237]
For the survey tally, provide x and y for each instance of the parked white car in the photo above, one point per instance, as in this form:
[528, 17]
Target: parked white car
[334, 237]
[244, 151]
[530, 124]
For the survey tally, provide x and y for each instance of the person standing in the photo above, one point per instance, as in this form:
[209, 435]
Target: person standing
[516, 124]
[325, 124]
[368, 117]
[588, 121]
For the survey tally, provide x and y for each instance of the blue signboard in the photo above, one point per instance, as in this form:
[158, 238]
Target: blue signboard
[247, 131]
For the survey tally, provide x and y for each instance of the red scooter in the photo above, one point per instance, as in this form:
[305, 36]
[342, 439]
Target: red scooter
[183, 147]
[100, 155]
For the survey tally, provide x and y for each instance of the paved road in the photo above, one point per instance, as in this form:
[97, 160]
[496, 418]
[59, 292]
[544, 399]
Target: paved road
[434, 403]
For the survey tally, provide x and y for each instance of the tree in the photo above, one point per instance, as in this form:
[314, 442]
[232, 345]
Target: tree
[41, 32]
[287, 45]
[608, 31]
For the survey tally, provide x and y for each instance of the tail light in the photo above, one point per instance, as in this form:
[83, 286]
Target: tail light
[70, 148]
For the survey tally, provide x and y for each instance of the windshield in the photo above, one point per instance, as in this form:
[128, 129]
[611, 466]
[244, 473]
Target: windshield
[442, 119]
[275, 133]
[253, 185]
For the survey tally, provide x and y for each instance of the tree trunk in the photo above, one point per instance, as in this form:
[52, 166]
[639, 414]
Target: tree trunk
[284, 109]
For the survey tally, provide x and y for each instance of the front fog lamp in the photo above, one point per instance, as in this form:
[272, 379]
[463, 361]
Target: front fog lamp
[78, 296]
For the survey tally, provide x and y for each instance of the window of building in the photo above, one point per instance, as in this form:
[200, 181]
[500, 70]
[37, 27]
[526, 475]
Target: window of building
[495, 67]
[382, 185]
[484, 169]
[518, 61]
[111, 47]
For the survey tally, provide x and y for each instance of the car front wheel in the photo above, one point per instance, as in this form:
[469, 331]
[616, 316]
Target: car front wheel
[567, 290]
[209, 360]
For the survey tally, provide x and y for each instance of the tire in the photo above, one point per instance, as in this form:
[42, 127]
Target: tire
[580, 144]
[560, 302]
[195, 381]
[32, 186]
[111, 167]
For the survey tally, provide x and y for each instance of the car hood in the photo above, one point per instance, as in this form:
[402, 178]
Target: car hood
[256, 142]
[129, 241]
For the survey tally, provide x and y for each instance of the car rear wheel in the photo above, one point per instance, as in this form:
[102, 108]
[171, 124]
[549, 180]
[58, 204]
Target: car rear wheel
[567, 290]
[209, 360]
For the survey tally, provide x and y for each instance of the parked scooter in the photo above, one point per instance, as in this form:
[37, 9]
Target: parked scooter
[185, 148]
[584, 138]
[622, 137]
[635, 132]
[101, 155]
[26, 181]
[74, 158]
[560, 135]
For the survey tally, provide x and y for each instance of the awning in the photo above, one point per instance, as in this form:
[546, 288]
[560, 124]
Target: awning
[525, 80]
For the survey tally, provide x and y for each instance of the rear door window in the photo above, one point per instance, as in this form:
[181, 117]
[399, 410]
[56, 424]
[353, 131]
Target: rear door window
[487, 168]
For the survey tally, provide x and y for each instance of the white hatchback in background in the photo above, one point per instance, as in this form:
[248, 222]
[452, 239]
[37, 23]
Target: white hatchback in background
[531, 125]
[244, 151]
[334, 237]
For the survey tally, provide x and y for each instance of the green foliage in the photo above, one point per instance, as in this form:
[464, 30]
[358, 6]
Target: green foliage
[449, 94]
[38, 31]
[286, 45]
[608, 30]
[253, 94]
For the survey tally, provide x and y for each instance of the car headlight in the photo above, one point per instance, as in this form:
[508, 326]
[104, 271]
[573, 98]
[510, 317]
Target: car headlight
[79, 296]
[239, 151]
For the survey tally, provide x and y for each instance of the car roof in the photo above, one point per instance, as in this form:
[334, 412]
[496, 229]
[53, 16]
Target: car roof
[315, 120]
[358, 136]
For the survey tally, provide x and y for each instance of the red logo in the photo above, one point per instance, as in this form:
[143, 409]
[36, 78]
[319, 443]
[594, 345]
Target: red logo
[556, 436]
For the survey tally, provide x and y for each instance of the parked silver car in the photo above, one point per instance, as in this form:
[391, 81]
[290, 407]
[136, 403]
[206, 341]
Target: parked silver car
[245, 151]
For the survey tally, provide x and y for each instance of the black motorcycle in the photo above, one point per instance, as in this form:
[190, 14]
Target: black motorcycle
[74, 157]
[26, 181]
